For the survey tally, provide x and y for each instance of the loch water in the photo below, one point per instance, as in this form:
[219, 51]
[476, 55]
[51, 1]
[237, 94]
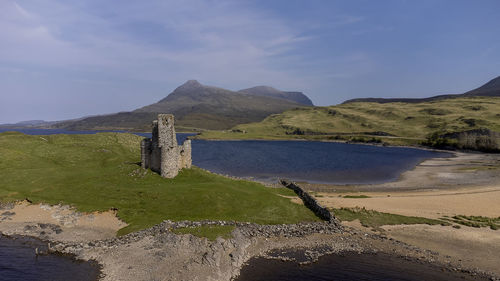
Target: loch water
[19, 261]
[348, 267]
[309, 161]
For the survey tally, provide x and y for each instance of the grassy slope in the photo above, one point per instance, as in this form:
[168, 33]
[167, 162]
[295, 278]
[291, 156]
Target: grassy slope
[409, 123]
[99, 172]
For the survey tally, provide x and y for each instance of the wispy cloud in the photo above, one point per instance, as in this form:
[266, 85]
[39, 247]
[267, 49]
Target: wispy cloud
[218, 36]
[214, 39]
[227, 43]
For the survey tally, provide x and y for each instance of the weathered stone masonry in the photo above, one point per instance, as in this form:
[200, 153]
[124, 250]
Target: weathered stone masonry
[161, 153]
[310, 202]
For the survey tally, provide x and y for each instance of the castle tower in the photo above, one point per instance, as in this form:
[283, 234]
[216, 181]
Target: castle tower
[161, 153]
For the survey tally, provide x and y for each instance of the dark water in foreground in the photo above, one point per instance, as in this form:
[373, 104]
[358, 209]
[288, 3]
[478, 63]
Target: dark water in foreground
[19, 262]
[319, 162]
[352, 266]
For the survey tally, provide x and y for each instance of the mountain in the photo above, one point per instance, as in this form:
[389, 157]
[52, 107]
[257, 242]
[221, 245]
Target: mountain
[195, 106]
[490, 89]
[271, 92]
[465, 121]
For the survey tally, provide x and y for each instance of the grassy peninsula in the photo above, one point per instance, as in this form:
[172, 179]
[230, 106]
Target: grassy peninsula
[394, 123]
[101, 172]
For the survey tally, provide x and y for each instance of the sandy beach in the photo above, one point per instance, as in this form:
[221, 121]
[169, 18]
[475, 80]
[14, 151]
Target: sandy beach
[467, 184]
[59, 223]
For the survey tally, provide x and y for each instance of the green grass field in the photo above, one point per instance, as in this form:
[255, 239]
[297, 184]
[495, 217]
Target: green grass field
[400, 123]
[101, 171]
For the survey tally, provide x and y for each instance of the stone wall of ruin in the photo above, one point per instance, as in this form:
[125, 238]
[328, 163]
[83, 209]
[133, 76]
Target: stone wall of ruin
[185, 155]
[309, 201]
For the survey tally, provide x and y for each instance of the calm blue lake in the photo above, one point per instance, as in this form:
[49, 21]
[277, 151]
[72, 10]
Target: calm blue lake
[317, 162]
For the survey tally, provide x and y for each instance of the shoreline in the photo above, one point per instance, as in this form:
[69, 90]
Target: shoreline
[157, 252]
[223, 259]
[459, 170]
[466, 185]
[42, 249]
[190, 257]
[194, 134]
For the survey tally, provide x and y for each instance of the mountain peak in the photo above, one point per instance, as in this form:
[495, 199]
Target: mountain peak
[191, 84]
[188, 87]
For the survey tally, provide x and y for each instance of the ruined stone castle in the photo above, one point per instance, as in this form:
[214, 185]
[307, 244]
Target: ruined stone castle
[161, 153]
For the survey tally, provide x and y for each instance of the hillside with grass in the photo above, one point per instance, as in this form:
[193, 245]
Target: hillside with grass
[102, 171]
[394, 123]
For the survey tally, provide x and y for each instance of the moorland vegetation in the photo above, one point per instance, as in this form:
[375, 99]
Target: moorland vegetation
[102, 172]
[465, 123]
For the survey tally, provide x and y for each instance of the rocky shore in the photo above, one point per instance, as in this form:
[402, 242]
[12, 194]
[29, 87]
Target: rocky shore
[157, 253]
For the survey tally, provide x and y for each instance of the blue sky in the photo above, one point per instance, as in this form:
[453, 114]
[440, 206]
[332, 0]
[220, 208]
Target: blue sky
[64, 59]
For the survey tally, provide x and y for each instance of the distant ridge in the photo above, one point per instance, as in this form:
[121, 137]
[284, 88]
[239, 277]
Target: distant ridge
[199, 106]
[490, 89]
[37, 123]
[28, 123]
[267, 91]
